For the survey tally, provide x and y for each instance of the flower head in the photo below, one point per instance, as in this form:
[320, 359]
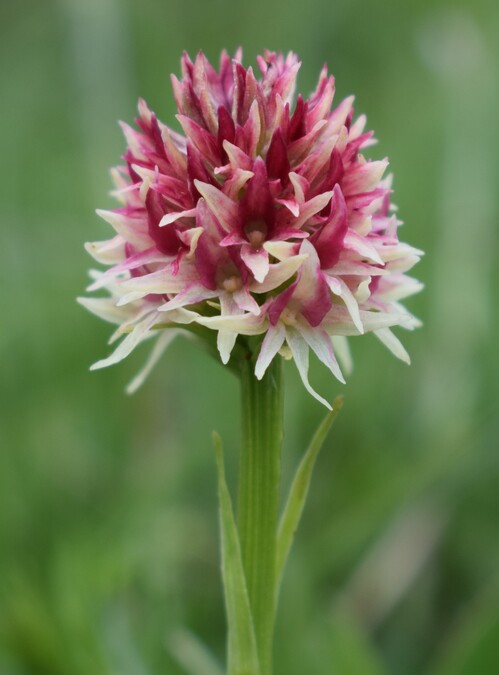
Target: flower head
[262, 218]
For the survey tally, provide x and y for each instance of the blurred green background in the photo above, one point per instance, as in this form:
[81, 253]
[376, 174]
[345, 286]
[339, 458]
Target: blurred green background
[108, 532]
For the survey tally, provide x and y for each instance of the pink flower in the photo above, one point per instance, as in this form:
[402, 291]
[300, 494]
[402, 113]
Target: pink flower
[262, 218]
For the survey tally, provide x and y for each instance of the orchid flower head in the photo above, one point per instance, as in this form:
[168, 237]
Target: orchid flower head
[261, 217]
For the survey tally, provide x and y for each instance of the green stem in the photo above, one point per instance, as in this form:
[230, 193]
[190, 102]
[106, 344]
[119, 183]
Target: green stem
[258, 496]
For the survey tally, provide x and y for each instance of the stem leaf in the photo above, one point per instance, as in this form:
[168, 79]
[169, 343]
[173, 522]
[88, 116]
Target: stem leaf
[299, 490]
[242, 651]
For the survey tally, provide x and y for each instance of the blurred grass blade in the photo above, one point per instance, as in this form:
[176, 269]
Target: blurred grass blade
[472, 646]
[192, 654]
[242, 653]
[349, 651]
[299, 489]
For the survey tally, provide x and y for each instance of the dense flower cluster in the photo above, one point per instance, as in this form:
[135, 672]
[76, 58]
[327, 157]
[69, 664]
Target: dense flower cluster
[262, 218]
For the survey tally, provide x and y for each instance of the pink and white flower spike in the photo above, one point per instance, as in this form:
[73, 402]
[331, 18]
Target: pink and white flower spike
[262, 218]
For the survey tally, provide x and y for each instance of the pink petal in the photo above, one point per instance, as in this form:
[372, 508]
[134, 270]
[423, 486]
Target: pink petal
[321, 102]
[165, 238]
[238, 180]
[339, 115]
[299, 148]
[226, 128]
[329, 241]
[233, 239]
[291, 205]
[280, 303]
[315, 162]
[203, 140]
[176, 158]
[277, 157]
[225, 210]
[257, 202]
[251, 131]
[312, 291]
[237, 157]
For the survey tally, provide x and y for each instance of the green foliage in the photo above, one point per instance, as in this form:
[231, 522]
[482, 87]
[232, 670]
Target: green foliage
[300, 486]
[242, 658]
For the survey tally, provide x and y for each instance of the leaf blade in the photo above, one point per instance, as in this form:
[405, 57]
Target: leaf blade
[242, 652]
[297, 496]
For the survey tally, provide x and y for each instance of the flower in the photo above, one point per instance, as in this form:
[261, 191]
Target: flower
[261, 218]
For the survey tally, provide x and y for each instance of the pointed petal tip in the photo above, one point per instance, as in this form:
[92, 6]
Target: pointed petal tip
[98, 365]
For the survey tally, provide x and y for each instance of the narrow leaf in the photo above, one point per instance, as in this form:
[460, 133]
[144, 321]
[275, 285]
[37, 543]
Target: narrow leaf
[242, 654]
[299, 489]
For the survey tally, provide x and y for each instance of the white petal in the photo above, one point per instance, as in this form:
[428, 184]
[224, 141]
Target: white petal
[271, 344]
[158, 282]
[188, 296]
[138, 334]
[109, 252]
[393, 343]
[245, 324]
[342, 349]
[133, 230]
[105, 308]
[279, 273]
[172, 217]
[338, 321]
[361, 245]
[225, 343]
[400, 287]
[348, 298]
[138, 260]
[299, 349]
[245, 301]
[226, 339]
[298, 184]
[182, 316]
[320, 342]
[312, 207]
[224, 209]
[280, 249]
[163, 341]
[257, 261]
